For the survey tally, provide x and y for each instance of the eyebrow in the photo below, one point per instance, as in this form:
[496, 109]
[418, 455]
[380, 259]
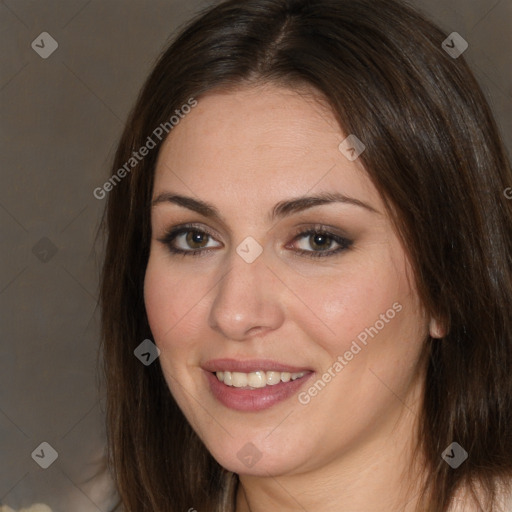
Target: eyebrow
[280, 210]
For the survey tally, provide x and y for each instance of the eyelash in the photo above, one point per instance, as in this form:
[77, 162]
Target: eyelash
[172, 234]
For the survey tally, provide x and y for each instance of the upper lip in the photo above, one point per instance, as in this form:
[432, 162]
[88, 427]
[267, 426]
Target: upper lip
[250, 365]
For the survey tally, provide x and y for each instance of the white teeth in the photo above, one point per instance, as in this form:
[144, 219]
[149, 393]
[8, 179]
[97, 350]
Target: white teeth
[273, 378]
[238, 379]
[258, 379]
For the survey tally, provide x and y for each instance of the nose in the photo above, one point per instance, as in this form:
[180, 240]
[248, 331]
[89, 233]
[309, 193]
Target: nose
[247, 300]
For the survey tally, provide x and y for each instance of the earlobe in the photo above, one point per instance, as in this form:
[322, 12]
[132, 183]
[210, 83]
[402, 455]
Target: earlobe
[436, 330]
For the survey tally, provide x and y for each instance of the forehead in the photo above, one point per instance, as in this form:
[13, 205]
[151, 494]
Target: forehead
[262, 142]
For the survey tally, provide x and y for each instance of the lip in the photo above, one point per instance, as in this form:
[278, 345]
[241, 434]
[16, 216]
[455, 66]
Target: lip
[257, 399]
[250, 365]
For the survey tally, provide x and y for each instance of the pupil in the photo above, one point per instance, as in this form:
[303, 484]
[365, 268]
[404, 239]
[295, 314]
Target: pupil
[320, 241]
[194, 237]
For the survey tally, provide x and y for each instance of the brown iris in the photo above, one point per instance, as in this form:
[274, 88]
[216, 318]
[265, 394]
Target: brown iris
[320, 241]
[196, 237]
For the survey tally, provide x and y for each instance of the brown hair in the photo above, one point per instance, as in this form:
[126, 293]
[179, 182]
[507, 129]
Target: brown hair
[434, 153]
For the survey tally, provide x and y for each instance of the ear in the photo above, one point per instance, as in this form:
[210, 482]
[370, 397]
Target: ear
[436, 329]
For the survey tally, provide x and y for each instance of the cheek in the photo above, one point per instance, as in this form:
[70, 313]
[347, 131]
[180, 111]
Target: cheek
[170, 304]
[353, 301]
[372, 318]
[158, 300]
[171, 301]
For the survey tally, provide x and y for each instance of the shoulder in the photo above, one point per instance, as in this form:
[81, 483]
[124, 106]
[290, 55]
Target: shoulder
[505, 499]
[464, 501]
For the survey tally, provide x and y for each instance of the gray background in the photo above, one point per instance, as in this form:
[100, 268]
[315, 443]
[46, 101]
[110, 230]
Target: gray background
[60, 120]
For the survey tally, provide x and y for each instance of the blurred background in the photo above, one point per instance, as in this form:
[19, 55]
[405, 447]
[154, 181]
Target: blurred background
[69, 73]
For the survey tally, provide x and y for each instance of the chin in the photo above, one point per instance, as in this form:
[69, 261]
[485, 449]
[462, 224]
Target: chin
[257, 458]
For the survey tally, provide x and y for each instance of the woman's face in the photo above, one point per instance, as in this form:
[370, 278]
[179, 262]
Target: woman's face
[308, 308]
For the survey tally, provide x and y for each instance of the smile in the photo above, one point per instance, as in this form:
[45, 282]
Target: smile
[253, 385]
[258, 379]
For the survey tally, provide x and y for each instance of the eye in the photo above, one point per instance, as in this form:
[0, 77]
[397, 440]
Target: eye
[187, 240]
[321, 241]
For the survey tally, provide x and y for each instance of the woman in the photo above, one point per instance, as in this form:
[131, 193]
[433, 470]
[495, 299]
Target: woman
[308, 278]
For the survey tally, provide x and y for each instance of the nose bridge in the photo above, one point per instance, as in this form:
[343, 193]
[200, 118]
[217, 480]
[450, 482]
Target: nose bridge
[246, 296]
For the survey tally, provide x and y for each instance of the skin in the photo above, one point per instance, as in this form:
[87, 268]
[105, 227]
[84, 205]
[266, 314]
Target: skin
[350, 447]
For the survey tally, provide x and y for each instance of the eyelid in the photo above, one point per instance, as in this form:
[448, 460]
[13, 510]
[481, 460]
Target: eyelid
[192, 226]
[322, 228]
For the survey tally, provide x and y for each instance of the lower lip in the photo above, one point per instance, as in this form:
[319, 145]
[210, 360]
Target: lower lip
[253, 399]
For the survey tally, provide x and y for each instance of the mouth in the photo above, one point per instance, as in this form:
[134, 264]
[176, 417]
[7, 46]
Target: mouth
[253, 385]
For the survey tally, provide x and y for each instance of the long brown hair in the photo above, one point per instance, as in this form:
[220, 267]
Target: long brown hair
[434, 153]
